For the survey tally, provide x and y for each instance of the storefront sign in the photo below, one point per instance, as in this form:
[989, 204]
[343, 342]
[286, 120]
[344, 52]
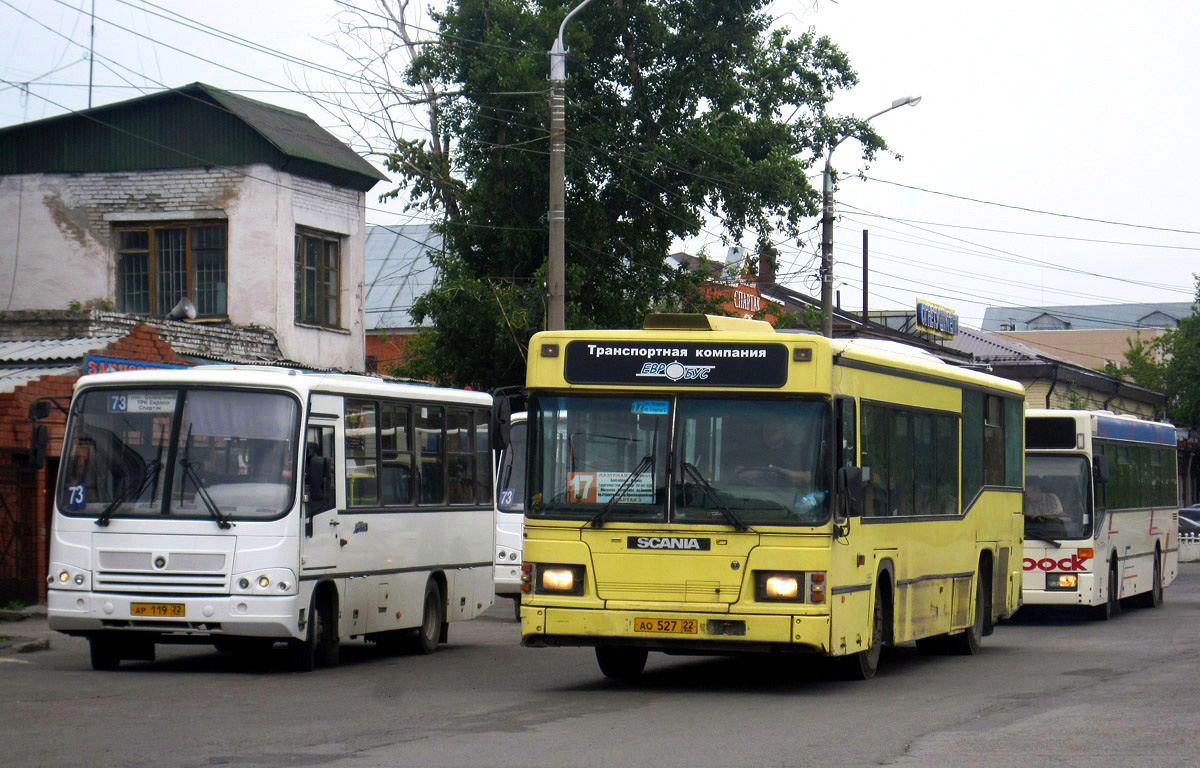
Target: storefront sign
[936, 319]
[93, 364]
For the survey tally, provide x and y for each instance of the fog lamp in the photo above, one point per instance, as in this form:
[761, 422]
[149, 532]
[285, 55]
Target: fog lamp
[64, 577]
[264, 582]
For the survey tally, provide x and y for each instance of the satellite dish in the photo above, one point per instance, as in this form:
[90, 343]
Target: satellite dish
[184, 309]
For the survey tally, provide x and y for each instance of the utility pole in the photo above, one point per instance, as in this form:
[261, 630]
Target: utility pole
[556, 268]
[827, 223]
[865, 317]
[92, 54]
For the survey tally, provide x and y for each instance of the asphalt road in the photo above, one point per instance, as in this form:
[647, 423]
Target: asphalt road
[1047, 690]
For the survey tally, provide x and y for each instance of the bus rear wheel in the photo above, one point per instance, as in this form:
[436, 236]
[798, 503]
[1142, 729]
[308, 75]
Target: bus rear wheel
[432, 617]
[621, 663]
[1154, 597]
[969, 641]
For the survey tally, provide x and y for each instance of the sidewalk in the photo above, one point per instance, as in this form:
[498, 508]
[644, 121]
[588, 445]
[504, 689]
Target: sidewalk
[24, 631]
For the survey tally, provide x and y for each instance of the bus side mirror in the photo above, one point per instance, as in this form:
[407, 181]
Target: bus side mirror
[38, 441]
[39, 409]
[850, 490]
[501, 422]
[317, 472]
[1100, 469]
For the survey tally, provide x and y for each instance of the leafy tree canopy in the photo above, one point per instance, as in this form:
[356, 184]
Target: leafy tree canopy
[677, 111]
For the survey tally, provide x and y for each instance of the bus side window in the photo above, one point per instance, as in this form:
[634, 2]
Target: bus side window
[847, 426]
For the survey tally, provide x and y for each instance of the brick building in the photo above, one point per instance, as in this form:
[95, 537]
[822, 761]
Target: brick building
[46, 369]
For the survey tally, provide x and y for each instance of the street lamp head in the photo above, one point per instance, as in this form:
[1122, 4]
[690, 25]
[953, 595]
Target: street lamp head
[906, 101]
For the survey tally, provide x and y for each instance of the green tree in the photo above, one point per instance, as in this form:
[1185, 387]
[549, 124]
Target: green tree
[679, 113]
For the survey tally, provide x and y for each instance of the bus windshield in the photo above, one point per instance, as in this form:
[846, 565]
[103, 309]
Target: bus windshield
[511, 496]
[736, 461]
[1057, 497]
[194, 453]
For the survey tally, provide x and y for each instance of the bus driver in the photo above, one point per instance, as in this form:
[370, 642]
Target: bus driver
[782, 457]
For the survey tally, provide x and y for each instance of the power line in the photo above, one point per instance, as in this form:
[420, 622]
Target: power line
[1036, 234]
[1022, 258]
[1033, 210]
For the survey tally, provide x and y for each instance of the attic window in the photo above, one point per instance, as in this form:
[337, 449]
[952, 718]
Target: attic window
[161, 264]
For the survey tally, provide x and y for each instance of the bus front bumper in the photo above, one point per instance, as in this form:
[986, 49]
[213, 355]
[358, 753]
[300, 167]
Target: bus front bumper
[508, 579]
[706, 633]
[78, 613]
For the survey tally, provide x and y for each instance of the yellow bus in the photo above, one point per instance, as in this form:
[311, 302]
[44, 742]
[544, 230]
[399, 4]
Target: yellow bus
[708, 485]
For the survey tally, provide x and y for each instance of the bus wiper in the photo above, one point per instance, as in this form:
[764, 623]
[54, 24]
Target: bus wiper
[1055, 542]
[646, 462]
[189, 471]
[711, 493]
[131, 492]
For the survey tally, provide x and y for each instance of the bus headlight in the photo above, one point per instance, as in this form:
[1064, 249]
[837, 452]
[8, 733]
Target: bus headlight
[68, 577]
[778, 586]
[265, 581]
[559, 579]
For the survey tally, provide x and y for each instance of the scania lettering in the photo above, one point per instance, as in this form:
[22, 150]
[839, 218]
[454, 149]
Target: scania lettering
[656, 542]
[245, 506]
[1101, 525]
[809, 496]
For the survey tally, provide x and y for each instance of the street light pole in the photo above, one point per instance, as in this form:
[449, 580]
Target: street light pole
[555, 268]
[827, 222]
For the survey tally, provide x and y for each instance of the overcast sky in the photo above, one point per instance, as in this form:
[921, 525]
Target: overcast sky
[1086, 110]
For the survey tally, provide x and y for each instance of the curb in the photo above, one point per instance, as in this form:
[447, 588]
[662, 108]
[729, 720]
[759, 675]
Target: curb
[23, 645]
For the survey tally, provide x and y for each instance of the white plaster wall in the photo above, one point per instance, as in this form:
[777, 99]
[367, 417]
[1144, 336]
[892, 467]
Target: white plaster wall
[48, 253]
[56, 244]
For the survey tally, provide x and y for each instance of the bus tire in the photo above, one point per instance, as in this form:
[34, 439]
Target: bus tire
[104, 654]
[621, 663]
[425, 641]
[320, 643]
[1112, 604]
[1154, 597]
[969, 641]
[517, 608]
[864, 664]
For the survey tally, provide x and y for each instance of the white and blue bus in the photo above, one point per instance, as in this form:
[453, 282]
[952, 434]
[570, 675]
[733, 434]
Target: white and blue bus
[244, 506]
[1101, 510]
[510, 513]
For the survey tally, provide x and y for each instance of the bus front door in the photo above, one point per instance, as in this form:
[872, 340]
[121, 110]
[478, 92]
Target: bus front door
[319, 537]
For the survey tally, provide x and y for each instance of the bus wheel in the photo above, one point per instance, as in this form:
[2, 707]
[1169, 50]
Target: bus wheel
[862, 665]
[517, 608]
[320, 643]
[1154, 597]
[967, 643]
[432, 618]
[1112, 606]
[105, 657]
[621, 663]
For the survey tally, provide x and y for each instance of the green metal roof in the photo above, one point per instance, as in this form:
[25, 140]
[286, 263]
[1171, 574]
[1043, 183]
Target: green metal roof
[193, 126]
